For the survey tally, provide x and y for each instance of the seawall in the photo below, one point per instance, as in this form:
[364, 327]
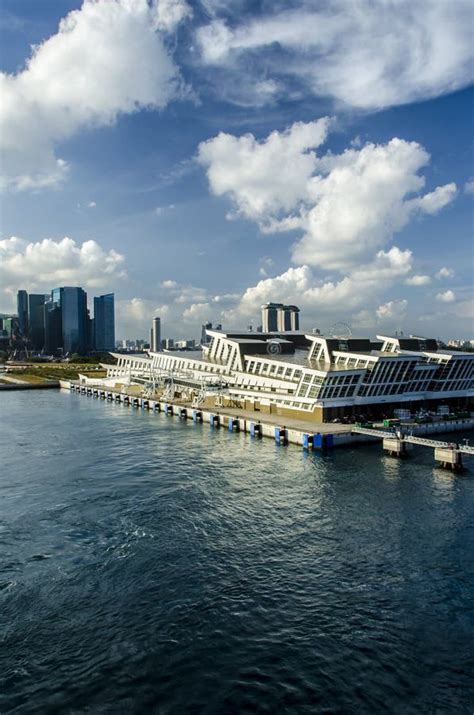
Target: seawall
[50, 384]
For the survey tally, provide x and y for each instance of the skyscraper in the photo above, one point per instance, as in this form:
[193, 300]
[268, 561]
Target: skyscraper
[294, 317]
[270, 317]
[104, 322]
[36, 320]
[277, 317]
[74, 319]
[53, 327]
[22, 310]
[204, 336]
[288, 318]
[156, 337]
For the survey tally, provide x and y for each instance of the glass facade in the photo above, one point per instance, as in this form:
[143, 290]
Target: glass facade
[74, 319]
[36, 320]
[53, 329]
[22, 310]
[104, 322]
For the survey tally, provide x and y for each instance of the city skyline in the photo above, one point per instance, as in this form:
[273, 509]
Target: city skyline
[223, 157]
[60, 322]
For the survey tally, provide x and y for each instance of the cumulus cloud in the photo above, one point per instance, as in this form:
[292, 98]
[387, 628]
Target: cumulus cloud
[365, 54]
[170, 13]
[107, 58]
[134, 316]
[268, 177]
[182, 308]
[469, 187]
[436, 200]
[345, 206]
[445, 273]
[320, 298]
[418, 280]
[46, 264]
[446, 297]
[392, 310]
[197, 312]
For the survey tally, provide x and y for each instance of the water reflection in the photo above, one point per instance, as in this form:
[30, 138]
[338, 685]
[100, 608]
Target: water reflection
[191, 570]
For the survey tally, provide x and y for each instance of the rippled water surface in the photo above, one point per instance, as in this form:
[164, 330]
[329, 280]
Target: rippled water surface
[147, 565]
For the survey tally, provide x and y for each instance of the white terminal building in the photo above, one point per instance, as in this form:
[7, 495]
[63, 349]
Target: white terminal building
[305, 375]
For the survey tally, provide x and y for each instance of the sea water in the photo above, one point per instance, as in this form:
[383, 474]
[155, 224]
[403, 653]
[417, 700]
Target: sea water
[149, 565]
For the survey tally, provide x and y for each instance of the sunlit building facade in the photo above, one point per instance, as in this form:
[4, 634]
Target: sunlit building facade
[313, 376]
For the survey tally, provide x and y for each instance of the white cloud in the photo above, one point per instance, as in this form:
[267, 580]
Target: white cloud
[346, 206]
[182, 308]
[445, 273]
[134, 317]
[394, 309]
[365, 54]
[436, 200]
[190, 294]
[91, 204]
[105, 60]
[446, 297]
[170, 13]
[469, 187]
[46, 264]
[323, 299]
[418, 280]
[264, 178]
[199, 312]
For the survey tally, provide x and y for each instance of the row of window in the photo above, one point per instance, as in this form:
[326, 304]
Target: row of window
[273, 369]
[386, 377]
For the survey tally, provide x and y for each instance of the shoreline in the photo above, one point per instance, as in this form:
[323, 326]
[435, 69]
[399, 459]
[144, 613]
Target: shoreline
[30, 385]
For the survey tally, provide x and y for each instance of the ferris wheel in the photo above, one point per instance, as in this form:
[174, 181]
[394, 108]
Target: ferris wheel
[340, 330]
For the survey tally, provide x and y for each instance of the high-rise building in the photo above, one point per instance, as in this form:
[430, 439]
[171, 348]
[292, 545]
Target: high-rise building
[104, 322]
[204, 336]
[270, 313]
[9, 329]
[288, 318]
[22, 310]
[295, 317]
[36, 320]
[74, 319]
[156, 337]
[277, 317]
[53, 323]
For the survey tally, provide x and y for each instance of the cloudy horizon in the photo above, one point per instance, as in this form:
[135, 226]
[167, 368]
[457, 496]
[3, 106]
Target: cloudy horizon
[200, 158]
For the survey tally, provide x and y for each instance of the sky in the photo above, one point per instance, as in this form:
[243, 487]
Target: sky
[201, 158]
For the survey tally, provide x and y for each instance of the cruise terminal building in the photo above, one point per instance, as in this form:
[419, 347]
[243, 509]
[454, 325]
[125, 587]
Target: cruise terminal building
[306, 376]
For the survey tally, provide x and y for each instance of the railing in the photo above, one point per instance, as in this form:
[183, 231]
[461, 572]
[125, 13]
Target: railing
[421, 441]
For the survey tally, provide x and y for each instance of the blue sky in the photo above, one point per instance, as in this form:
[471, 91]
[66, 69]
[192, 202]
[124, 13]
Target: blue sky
[200, 158]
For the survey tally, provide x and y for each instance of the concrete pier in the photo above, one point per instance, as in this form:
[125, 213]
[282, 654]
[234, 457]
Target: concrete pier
[395, 447]
[298, 432]
[449, 458]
